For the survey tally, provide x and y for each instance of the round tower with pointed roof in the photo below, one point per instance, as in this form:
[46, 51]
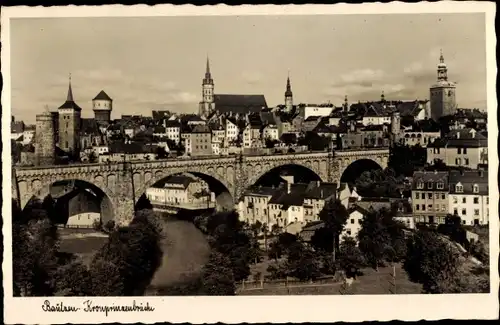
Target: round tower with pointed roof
[45, 146]
[69, 124]
[102, 106]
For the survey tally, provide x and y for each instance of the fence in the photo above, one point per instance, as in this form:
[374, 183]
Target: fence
[287, 283]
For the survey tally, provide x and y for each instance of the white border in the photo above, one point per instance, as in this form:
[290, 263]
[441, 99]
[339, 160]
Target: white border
[266, 308]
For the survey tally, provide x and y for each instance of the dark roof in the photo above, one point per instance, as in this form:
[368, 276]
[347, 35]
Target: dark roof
[241, 104]
[71, 105]
[430, 178]
[321, 190]
[130, 148]
[159, 129]
[102, 96]
[172, 123]
[89, 126]
[17, 127]
[179, 180]
[267, 117]
[372, 127]
[261, 191]
[468, 179]
[201, 128]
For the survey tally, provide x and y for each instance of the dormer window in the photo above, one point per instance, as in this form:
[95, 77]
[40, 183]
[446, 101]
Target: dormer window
[475, 188]
[440, 185]
[420, 184]
[459, 188]
[429, 185]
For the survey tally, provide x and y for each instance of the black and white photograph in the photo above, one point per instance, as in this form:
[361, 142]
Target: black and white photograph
[226, 151]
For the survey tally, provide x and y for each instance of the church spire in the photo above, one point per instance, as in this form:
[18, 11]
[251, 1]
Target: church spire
[208, 76]
[288, 92]
[441, 57]
[70, 91]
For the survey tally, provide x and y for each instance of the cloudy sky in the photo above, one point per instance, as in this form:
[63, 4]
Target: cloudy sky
[158, 63]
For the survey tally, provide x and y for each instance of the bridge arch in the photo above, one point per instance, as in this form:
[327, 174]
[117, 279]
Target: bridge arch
[271, 175]
[65, 190]
[352, 171]
[216, 183]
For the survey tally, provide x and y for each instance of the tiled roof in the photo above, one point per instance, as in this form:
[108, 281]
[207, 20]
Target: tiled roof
[159, 129]
[241, 104]
[468, 179]
[102, 96]
[261, 191]
[179, 180]
[71, 105]
[267, 117]
[201, 128]
[172, 123]
[321, 190]
[432, 178]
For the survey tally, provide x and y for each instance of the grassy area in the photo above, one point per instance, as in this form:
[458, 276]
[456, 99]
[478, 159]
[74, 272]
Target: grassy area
[371, 282]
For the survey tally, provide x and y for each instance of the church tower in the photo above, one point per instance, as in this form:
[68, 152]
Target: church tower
[69, 124]
[288, 95]
[207, 103]
[443, 99]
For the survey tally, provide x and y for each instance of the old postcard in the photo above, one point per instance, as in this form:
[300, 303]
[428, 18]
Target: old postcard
[249, 163]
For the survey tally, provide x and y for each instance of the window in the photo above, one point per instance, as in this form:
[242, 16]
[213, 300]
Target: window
[464, 200]
[349, 232]
[466, 161]
[429, 196]
[420, 184]
[423, 207]
[417, 195]
[464, 212]
[465, 151]
[459, 188]
[429, 185]
[459, 151]
[476, 200]
[440, 185]
[476, 212]
[352, 220]
[475, 188]
[455, 211]
[443, 196]
[455, 200]
[417, 206]
[429, 207]
[487, 200]
[443, 207]
[458, 161]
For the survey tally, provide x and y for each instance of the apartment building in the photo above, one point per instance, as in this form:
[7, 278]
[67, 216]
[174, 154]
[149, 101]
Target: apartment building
[469, 196]
[430, 196]
[464, 147]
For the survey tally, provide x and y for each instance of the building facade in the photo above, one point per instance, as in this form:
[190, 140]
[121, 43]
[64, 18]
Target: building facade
[469, 197]
[430, 200]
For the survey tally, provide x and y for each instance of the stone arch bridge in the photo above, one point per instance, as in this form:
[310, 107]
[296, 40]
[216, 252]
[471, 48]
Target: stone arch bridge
[122, 184]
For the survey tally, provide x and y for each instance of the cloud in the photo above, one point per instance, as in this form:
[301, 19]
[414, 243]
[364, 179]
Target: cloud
[360, 76]
[252, 77]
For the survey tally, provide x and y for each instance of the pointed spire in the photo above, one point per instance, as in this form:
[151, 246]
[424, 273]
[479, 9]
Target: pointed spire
[288, 92]
[70, 91]
[208, 66]
[382, 97]
[441, 57]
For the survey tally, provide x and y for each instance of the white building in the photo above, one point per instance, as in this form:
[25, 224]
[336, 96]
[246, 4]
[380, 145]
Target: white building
[469, 196]
[183, 192]
[306, 110]
[173, 130]
[270, 132]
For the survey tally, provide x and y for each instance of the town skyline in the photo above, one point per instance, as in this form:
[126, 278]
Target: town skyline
[156, 73]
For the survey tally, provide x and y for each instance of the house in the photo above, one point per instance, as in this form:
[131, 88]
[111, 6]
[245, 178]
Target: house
[183, 191]
[271, 132]
[469, 196]
[417, 110]
[173, 130]
[128, 151]
[463, 147]
[252, 133]
[430, 190]
[307, 110]
[376, 114]
[199, 141]
[232, 129]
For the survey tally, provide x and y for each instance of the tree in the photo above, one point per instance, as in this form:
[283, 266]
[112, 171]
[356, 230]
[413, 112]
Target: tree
[351, 260]
[92, 157]
[322, 240]
[217, 277]
[374, 239]
[431, 261]
[281, 245]
[161, 153]
[73, 279]
[404, 159]
[313, 141]
[302, 263]
[335, 216]
[271, 143]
